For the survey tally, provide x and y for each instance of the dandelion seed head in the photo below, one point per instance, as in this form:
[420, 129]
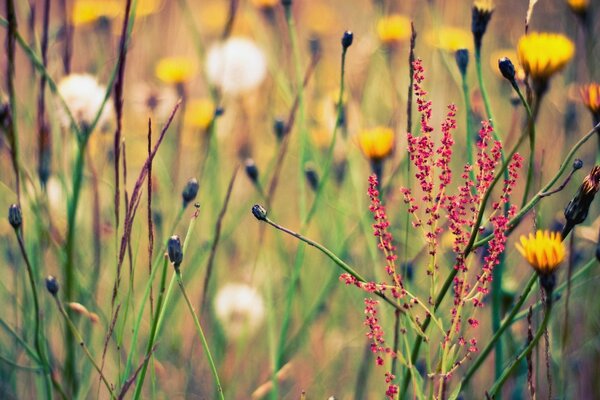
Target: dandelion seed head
[240, 309]
[236, 66]
[83, 96]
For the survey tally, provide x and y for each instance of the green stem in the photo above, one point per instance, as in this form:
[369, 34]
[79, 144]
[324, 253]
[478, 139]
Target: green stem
[531, 128]
[70, 281]
[535, 199]
[39, 344]
[335, 259]
[153, 330]
[508, 320]
[77, 336]
[510, 369]
[469, 125]
[213, 368]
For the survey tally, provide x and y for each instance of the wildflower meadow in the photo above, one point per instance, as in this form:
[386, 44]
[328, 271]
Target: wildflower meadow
[299, 199]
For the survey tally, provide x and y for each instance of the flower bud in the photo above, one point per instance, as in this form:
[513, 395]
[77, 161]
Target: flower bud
[480, 17]
[311, 177]
[507, 69]
[462, 60]
[347, 39]
[175, 252]
[251, 170]
[259, 212]
[190, 191]
[315, 47]
[577, 164]
[15, 216]
[577, 210]
[219, 111]
[279, 128]
[52, 285]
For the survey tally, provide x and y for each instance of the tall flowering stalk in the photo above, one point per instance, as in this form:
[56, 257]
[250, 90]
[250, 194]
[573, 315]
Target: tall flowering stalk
[435, 209]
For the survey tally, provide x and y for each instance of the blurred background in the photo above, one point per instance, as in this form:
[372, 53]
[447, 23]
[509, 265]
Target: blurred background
[235, 60]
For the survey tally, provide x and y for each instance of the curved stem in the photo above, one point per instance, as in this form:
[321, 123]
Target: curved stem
[524, 353]
[508, 320]
[213, 368]
[79, 339]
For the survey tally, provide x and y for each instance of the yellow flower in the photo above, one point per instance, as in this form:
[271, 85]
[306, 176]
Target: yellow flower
[544, 251]
[147, 7]
[88, 11]
[175, 70]
[544, 54]
[450, 38]
[265, 3]
[320, 18]
[199, 113]
[578, 6]
[376, 143]
[590, 95]
[393, 28]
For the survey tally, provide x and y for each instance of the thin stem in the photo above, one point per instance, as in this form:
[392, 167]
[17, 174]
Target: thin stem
[70, 282]
[77, 336]
[334, 258]
[39, 344]
[508, 320]
[211, 362]
[526, 351]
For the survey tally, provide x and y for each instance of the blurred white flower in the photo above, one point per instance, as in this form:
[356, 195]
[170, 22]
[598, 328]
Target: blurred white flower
[237, 65]
[240, 309]
[83, 95]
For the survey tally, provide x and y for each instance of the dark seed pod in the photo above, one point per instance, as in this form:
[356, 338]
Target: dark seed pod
[52, 285]
[190, 191]
[259, 212]
[15, 216]
[175, 251]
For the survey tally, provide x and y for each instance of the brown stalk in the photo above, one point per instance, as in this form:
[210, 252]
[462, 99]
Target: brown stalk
[10, 84]
[43, 131]
[286, 139]
[150, 225]
[134, 200]
[118, 101]
[215, 243]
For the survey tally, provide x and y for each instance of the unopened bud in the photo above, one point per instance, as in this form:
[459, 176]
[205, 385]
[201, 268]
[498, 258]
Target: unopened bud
[315, 47]
[175, 252]
[311, 177]
[259, 212]
[462, 60]
[279, 128]
[347, 39]
[577, 164]
[577, 210]
[15, 216]
[52, 285]
[190, 191]
[480, 18]
[507, 68]
[251, 170]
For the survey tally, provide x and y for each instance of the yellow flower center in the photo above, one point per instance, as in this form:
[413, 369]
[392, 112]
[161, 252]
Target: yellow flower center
[175, 69]
[393, 28]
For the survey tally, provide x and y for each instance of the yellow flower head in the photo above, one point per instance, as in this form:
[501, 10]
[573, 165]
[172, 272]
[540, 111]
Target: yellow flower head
[376, 143]
[590, 95]
[199, 113]
[264, 4]
[88, 11]
[393, 28]
[175, 70]
[544, 54]
[544, 251]
[450, 39]
[578, 6]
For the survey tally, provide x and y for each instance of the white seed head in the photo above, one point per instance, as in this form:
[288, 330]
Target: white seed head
[236, 66]
[83, 96]
[240, 310]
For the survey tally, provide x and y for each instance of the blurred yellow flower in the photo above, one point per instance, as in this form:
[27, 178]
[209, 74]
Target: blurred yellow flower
[450, 38]
[544, 54]
[590, 95]
[199, 113]
[376, 143]
[146, 7]
[544, 251]
[393, 28]
[88, 11]
[484, 5]
[320, 18]
[578, 6]
[265, 3]
[175, 70]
